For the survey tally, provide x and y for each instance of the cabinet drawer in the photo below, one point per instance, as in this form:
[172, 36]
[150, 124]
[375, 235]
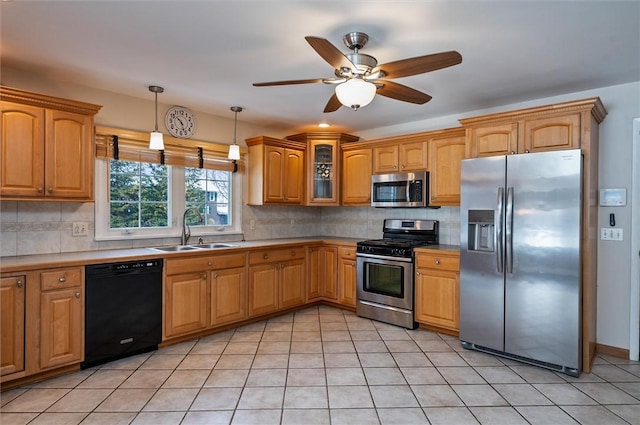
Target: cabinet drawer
[277, 255]
[60, 278]
[347, 252]
[208, 262]
[437, 261]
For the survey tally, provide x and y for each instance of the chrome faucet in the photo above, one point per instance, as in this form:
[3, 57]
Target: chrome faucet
[186, 230]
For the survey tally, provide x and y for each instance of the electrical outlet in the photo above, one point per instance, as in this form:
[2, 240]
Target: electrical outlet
[611, 234]
[80, 228]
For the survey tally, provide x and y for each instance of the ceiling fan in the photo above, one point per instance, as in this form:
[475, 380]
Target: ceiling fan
[358, 77]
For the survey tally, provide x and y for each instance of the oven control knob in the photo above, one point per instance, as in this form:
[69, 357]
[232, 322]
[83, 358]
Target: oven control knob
[399, 252]
[368, 249]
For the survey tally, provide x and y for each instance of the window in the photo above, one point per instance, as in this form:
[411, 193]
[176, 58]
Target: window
[142, 200]
[138, 195]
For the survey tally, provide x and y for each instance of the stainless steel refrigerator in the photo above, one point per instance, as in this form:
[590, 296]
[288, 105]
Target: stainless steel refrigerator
[520, 267]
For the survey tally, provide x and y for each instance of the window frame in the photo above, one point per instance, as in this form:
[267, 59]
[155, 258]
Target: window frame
[176, 177]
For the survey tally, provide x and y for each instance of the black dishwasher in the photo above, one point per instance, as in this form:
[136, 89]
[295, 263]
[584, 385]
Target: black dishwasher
[123, 310]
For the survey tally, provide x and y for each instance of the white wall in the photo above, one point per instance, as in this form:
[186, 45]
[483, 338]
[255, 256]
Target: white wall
[614, 258]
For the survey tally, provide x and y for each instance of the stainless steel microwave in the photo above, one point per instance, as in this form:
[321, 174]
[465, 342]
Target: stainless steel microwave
[400, 190]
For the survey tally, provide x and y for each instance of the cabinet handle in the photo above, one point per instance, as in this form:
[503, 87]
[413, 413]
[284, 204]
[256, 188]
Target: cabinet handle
[62, 279]
[293, 253]
[215, 276]
[265, 256]
[513, 152]
[50, 190]
[437, 262]
[40, 190]
[526, 151]
[417, 273]
[404, 166]
[210, 263]
[204, 276]
[19, 284]
[78, 295]
[394, 167]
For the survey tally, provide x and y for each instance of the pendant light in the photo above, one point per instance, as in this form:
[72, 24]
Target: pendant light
[234, 150]
[156, 141]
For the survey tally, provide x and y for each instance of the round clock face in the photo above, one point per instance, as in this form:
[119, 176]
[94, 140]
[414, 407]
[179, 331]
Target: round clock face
[180, 122]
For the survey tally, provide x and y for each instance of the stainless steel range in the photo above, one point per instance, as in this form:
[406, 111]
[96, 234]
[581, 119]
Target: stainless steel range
[385, 271]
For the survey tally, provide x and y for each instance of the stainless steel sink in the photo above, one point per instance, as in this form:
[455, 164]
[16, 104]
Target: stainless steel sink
[176, 248]
[214, 245]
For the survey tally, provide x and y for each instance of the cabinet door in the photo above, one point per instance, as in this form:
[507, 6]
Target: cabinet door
[12, 324]
[445, 160]
[437, 298]
[315, 274]
[330, 279]
[413, 156]
[323, 173]
[552, 133]
[274, 169]
[61, 327]
[228, 295]
[356, 177]
[294, 176]
[292, 284]
[385, 159]
[21, 150]
[347, 282]
[185, 303]
[263, 289]
[493, 140]
[69, 155]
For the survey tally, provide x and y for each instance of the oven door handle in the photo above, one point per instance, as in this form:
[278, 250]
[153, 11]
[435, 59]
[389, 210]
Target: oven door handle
[384, 258]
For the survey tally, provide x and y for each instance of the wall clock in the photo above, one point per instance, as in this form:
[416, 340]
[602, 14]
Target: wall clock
[180, 122]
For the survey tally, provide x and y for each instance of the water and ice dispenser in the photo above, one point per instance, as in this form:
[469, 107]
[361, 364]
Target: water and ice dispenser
[481, 230]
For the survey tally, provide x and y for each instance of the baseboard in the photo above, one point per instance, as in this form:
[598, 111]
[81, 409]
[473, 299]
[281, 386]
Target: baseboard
[612, 351]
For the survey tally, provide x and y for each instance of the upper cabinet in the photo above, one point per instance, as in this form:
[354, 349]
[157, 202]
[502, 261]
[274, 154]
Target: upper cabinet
[322, 166]
[356, 176]
[400, 154]
[46, 147]
[553, 127]
[276, 171]
[446, 152]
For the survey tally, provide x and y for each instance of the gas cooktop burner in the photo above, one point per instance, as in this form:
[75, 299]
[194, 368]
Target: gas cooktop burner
[400, 237]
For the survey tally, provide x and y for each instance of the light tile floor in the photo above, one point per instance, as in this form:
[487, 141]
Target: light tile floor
[323, 365]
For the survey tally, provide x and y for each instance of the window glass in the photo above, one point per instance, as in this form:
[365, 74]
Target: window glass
[138, 195]
[208, 191]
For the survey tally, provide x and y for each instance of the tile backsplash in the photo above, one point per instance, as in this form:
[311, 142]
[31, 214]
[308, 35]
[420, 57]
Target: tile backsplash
[46, 227]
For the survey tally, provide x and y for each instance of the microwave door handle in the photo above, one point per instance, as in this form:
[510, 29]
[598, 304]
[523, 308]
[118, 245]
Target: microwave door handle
[408, 191]
[498, 231]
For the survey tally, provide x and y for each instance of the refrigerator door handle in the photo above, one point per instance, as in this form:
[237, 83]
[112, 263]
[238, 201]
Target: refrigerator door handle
[499, 227]
[509, 230]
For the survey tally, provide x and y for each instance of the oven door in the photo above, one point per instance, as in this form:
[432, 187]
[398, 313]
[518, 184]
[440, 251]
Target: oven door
[385, 280]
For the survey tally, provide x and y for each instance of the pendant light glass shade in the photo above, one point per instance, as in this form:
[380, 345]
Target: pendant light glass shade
[355, 93]
[156, 141]
[234, 150]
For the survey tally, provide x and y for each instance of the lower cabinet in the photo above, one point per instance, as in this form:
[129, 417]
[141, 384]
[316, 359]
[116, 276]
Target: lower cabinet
[12, 302]
[322, 279]
[347, 276]
[61, 317]
[437, 288]
[203, 292]
[276, 280]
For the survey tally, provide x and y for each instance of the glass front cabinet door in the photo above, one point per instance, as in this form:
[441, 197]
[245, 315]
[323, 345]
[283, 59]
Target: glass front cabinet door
[323, 169]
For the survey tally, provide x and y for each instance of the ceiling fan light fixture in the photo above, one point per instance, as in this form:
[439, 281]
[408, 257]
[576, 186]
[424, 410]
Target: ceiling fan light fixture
[356, 93]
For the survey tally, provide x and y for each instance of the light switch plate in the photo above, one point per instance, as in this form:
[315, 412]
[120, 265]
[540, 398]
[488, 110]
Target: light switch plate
[611, 234]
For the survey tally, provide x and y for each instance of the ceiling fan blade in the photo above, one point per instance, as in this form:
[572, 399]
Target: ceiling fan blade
[333, 104]
[284, 83]
[329, 53]
[401, 92]
[418, 65]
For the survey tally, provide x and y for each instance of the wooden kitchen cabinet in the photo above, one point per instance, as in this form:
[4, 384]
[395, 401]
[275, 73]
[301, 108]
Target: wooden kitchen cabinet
[276, 280]
[356, 176]
[322, 168]
[276, 171]
[203, 292]
[46, 147]
[322, 277]
[405, 155]
[12, 320]
[446, 152]
[347, 276]
[61, 317]
[437, 286]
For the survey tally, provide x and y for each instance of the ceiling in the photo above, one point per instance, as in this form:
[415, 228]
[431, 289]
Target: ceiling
[207, 54]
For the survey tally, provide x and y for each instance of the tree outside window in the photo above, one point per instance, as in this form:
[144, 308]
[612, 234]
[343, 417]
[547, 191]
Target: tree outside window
[208, 191]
